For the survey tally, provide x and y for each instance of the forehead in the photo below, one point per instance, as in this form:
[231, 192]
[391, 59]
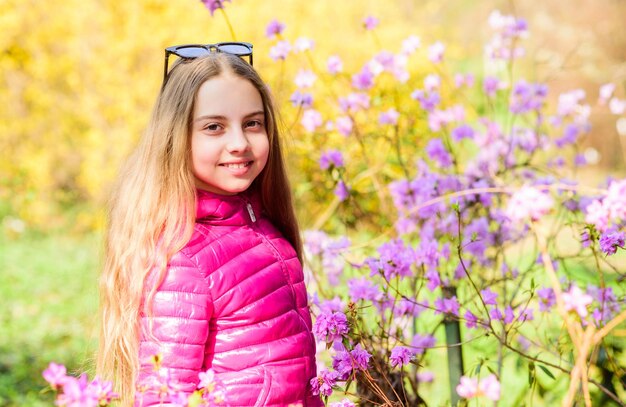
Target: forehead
[226, 95]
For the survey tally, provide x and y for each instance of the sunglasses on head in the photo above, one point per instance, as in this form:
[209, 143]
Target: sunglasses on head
[192, 51]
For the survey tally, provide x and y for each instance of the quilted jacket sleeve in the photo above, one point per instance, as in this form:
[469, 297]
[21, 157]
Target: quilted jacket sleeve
[177, 331]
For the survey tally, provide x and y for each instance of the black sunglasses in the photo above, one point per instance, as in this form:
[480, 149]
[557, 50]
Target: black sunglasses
[191, 51]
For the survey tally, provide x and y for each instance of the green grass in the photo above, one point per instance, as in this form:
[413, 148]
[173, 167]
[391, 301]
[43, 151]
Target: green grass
[48, 311]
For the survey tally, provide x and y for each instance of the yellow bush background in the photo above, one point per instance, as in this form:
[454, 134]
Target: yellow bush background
[78, 78]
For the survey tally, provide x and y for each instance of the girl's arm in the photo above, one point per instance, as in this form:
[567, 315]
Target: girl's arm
[176, 330]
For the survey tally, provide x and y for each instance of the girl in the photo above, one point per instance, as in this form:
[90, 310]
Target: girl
[203, 252]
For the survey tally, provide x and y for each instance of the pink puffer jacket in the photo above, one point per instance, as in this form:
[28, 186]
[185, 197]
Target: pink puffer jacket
[232, 300]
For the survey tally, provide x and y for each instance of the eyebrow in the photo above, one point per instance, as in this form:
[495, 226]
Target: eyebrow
[218, 117]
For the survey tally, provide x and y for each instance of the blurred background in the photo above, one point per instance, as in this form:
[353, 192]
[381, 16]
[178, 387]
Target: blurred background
[77, 83]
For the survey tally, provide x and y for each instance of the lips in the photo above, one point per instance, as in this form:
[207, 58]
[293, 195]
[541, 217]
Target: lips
[237, 165]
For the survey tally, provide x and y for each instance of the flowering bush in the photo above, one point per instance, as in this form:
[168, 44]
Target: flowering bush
[80, 392]
[449, 211]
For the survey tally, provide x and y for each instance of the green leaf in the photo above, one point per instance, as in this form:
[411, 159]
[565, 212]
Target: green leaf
[546, 371]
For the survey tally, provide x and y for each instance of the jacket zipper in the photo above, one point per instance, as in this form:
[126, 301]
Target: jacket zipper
[271, 245]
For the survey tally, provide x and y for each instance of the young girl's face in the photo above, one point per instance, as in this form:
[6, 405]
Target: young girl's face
[229, 143]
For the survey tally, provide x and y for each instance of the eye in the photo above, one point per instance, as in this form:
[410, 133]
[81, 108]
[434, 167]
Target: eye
[255, 124]
[213, 127]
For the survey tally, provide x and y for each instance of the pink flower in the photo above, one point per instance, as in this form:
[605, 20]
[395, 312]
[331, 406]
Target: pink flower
[435, 52]
[104, 391]
[422, 342]
[304, 44]
[213, 5]
[344, 125]
[280, 50]
[311, 120]
[55, 374]
[355, 102]
[432, 82]
[78, 393]
[389, 117]
[305, 78]
[334, 64]
[370, 22]
[576, 300]
[606, 91]
[274, 28]
[617, 106]
[528, 203]
[488, 387]
[425, 377]
[343, 403]
[410, 45]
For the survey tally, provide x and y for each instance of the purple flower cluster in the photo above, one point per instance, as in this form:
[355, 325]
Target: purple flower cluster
[79, 391]
[330, 327]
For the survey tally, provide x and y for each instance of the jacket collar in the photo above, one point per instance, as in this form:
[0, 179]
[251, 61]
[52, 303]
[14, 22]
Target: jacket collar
[229, 210]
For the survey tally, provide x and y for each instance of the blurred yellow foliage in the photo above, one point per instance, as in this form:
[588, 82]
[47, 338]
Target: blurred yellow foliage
[78, 79]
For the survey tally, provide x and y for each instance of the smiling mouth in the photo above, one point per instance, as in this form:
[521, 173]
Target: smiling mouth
[237, 165]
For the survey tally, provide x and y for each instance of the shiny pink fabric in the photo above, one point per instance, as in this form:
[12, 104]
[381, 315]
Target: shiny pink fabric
[233, 300]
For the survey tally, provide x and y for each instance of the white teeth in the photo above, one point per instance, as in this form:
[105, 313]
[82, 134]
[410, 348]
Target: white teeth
[238, 165]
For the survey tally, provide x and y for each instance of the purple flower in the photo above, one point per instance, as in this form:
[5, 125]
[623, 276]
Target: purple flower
[570, 135]
[527, 97]
[355, 102]
[334, 64]
[434, 280]
[470, 319]
[422, 342]
[461, 80]
[55, 374]
[360, 357]
[213, 5]
[491, 85]
[363, 289]
[438, 152]
[274, 28]
[330, 326]
[447, 306]
[401, 356]
[547, 299]
[330, 158]
[323, 384]
[364, 79]
[569, 102]
[280, 50]
[342, 363]
[610, 241]
[341, 191]
[389, 117]
[428, 101]
[103, 390]
[370, 22]
[395, 259]
[489, 297]
[304, 100]
[462, 131]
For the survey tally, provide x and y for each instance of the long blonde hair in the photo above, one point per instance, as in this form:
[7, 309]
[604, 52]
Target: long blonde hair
[153, 205]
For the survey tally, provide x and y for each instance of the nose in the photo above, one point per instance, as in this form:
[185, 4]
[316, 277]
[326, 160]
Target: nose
[237, 141]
